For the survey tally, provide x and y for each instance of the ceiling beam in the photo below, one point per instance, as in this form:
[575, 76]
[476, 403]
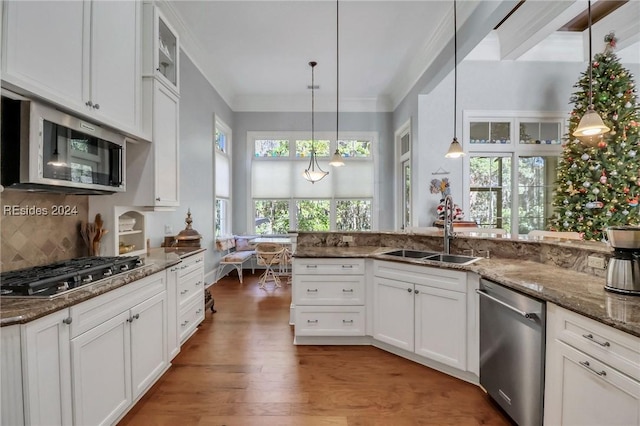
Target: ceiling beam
[532, 23]
[481, 18]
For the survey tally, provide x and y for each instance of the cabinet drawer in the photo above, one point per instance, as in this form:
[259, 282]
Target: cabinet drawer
[190, 264]
[94, 312]
[190, 316]
[332, 266]
[618, 349]
[332, 290]
[330, 321]
[189, 285]
[432, 277]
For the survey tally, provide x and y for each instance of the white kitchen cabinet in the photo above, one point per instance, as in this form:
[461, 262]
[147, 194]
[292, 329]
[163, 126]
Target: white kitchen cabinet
[102, 372]
[592, 373]
[46, 370]
[153, 169]
[185, 308]
[329, 297]
[440, 325]
[393, 312]
[35, 362]
[83, 56]
[118, 349]
[161, 48]
[422, 310]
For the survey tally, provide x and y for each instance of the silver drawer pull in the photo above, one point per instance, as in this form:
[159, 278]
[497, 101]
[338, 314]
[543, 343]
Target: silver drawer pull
[312, 321]
[183, 292]
[199, 311]
[347, 290]
[198, 283]
[586, 365]
[347, 321]
[590, 337]
[347, 266]
[184, 323]
[199, 260]
[312, 290]
[312, 266]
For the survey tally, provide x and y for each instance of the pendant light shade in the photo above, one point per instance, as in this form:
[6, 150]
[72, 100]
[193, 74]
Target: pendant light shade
[336, 159]
[455, 149]
[591, 124]
[313, 173]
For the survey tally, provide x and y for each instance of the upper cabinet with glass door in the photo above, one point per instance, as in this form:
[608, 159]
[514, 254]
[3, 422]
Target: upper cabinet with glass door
[161, 48]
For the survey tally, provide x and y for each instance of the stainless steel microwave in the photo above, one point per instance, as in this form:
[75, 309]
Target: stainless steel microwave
[44, 149]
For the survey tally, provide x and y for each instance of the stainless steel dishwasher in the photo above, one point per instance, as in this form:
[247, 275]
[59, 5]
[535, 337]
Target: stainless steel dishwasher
[512, 344]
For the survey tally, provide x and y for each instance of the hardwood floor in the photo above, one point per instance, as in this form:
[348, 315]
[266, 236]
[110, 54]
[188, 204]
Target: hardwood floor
[242, 369]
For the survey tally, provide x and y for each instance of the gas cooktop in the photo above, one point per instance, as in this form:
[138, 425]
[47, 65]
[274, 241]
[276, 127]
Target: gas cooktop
[62, 277]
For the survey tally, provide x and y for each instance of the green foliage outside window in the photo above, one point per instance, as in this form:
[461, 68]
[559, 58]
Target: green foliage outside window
[313, 215]
[353, 215]
[271, 217]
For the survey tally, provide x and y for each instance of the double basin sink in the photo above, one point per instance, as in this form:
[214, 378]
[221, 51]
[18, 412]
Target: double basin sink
[434, 257]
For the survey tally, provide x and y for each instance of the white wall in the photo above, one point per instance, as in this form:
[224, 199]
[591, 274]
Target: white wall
[199, 104]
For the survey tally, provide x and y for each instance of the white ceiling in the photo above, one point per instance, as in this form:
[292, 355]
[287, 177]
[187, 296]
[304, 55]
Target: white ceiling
[256, 53]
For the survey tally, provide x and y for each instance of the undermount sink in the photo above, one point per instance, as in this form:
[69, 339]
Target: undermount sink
[434, 257]
[413, 254]
[453, 258]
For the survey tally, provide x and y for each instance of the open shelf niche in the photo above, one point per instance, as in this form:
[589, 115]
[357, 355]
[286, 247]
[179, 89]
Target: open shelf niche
[135, 237]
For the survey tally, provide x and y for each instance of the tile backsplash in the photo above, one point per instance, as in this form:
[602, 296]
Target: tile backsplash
[40, 228]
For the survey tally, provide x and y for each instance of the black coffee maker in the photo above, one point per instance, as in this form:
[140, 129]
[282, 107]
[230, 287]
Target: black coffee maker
[623, 270]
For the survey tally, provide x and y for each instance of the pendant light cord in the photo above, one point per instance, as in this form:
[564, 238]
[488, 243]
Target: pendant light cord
[590, 61]
[337, 70]
[313, 102]
[455, 67]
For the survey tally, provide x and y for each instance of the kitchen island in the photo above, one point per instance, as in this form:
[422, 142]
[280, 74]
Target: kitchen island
[580, 292]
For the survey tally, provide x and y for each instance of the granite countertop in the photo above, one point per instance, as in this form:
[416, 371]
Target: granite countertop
[576, 291]
[23, 310]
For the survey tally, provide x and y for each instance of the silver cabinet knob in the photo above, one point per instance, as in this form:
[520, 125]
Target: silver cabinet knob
[97, 106]
[416, 291]
[89, 104]
[409, 290]
[68, 320]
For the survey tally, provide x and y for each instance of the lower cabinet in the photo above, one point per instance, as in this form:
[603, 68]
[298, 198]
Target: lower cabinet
[115, 362]
[329, 297]
[592, 374]
[46, 370]
[422, 310]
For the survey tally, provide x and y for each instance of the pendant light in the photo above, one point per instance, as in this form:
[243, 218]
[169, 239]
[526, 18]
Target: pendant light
[591, 125]
[336, 159]
[455, 149]
[313, 173]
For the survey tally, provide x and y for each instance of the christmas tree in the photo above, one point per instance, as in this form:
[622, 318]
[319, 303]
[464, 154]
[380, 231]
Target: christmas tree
[598, 186]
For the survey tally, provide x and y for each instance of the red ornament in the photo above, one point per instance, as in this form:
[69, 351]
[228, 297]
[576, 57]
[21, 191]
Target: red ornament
[603, 178]
[625, 190]
[602, 144]
[596, 64]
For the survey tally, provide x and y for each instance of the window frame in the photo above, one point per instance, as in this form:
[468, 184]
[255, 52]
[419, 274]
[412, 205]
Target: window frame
[514, 150]
[301, 163]
[227, 227]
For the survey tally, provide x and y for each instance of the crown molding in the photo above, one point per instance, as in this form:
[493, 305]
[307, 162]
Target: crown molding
[275, 103]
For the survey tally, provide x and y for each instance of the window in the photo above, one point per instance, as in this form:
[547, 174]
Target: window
[222, 142]
[283, 200]
[403, 161]
[510, 185]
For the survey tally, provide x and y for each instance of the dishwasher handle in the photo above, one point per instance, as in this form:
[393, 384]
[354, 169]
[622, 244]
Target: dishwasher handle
[527, 315]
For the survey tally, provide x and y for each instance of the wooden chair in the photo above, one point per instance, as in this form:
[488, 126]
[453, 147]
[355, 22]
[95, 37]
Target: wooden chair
[557, 235]
[270, 256]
